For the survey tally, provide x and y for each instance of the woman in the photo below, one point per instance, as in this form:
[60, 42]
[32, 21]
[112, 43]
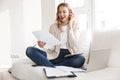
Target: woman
[66, 30]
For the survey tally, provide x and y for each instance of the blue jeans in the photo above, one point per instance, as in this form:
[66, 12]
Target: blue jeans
[40, 58]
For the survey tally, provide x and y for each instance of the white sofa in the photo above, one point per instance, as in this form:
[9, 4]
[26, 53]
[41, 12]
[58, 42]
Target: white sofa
[102, 41]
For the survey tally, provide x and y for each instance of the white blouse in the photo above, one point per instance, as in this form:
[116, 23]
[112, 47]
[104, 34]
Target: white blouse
[64, 37]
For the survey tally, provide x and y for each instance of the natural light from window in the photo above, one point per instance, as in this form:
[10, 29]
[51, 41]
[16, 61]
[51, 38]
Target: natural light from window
[5, 40]
[75, 3]
[107, 14]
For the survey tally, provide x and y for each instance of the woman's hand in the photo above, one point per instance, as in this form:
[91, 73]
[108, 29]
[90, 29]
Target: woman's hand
[41, 44]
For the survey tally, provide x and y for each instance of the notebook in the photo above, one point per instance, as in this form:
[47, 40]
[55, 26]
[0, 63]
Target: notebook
[57, 73]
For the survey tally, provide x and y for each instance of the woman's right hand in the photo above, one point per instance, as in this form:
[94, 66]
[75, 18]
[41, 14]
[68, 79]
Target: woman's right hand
[41, 44]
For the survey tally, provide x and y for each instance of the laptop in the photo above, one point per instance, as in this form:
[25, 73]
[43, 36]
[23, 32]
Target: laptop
[99, 52]
[98, 59]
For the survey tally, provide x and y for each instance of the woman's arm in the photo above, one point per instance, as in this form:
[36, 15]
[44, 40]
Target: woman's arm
[74, 34]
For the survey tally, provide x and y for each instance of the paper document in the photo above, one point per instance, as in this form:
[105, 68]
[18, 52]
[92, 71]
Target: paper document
[45, 36]
[55, 72]
[70, 69]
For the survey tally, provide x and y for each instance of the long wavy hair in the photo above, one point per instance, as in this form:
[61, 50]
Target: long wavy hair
[59, 23]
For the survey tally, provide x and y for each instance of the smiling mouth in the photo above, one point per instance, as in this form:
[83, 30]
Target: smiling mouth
[62, 18]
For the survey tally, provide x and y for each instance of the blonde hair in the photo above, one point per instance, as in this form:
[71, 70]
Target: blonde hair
[59, 23]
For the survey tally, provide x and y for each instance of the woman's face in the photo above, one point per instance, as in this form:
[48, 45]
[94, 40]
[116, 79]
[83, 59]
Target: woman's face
[63, 14]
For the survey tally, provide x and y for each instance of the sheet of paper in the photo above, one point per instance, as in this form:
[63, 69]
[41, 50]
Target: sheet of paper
[48, 38]
[70, 69]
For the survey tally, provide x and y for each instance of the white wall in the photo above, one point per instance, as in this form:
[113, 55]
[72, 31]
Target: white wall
[20, 18]
[32, 20]
[5, 39]
[48, 13]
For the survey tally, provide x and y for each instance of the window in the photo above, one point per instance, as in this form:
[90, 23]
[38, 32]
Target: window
[107, 15]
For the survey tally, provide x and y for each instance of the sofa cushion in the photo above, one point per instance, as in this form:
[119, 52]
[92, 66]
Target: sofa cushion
[103, 74]
[114, 60]
[22, 70]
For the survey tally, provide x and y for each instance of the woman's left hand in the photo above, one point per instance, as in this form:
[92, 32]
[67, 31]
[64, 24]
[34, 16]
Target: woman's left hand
[41, 44]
